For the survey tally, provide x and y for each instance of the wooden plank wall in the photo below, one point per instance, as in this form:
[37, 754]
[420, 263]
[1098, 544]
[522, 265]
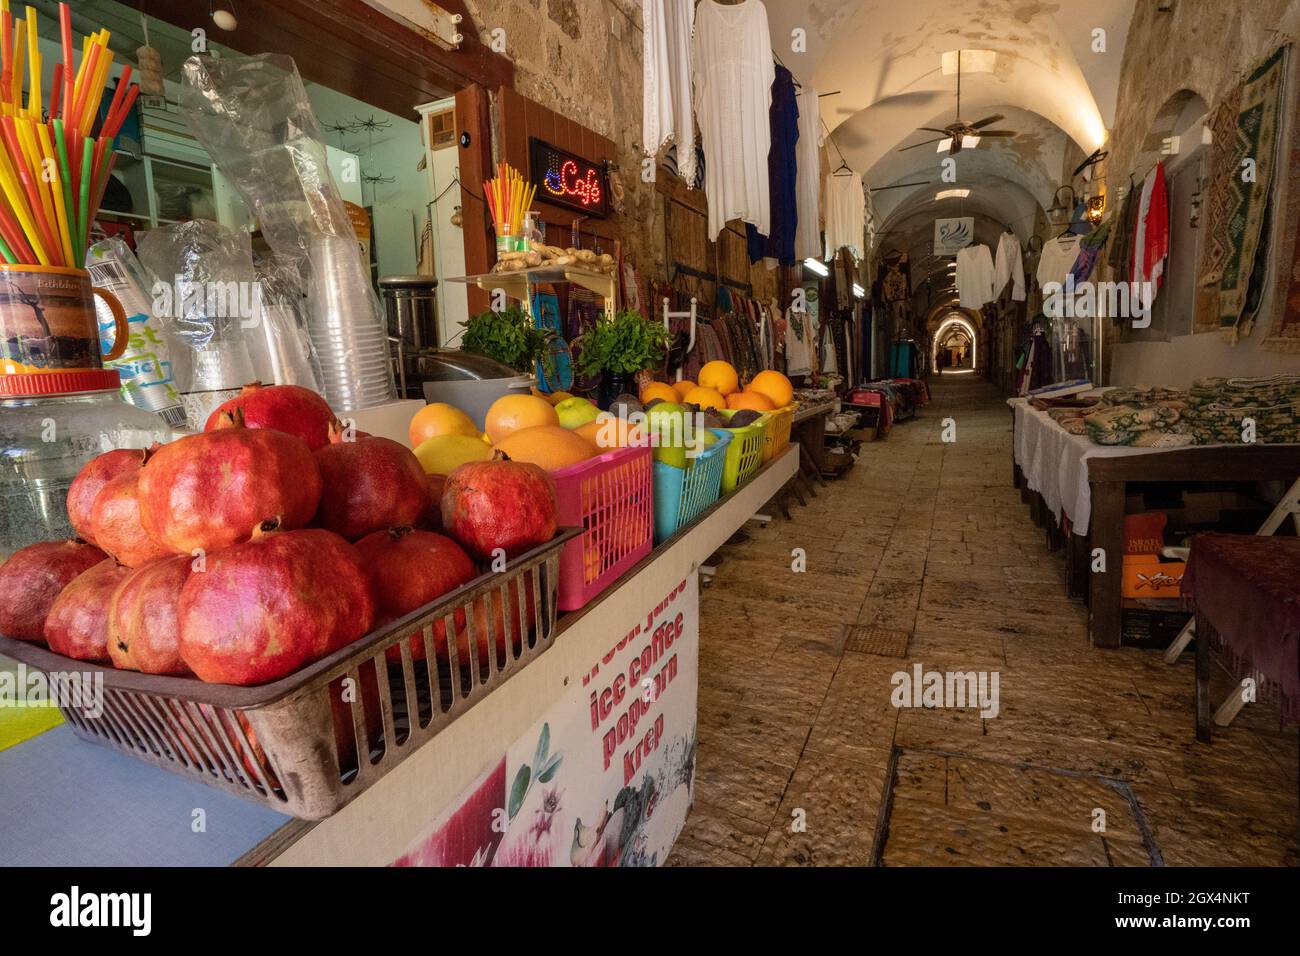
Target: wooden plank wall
[686, 227]
[518, 119]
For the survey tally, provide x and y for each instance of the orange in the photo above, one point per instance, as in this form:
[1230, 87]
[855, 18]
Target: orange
[775, 386]
[509, 413]
[660, 390]
[438, 419]
[705, 397]
[755, 401]
[682, 388]
[720, 376]
[547, 446]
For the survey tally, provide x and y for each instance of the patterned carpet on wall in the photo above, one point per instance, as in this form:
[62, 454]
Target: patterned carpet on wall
[1284, 331]
[1224, 161]
[1247, 213]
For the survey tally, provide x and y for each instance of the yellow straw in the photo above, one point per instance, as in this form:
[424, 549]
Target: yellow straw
[9, 181]
[34, 66]
[56, 187]
[20, 48]
[27, 136]
[96, 91]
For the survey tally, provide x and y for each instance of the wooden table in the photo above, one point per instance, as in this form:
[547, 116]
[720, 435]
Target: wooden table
[1108, 480]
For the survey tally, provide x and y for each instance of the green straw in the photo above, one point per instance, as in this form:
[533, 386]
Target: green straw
[61, 149]
[4, 251]
[83, 215]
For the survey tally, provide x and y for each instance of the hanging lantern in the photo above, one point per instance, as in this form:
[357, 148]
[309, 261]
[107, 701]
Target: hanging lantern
[456, 218]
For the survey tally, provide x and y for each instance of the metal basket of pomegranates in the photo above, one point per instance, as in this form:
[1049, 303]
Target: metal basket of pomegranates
[309, 743]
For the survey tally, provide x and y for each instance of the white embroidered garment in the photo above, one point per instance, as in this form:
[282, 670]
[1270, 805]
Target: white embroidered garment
[845, 213]
[808, 178]
[666, 95]
[974, 276]
[1009, 267]
[1057, 259]
[733, 70]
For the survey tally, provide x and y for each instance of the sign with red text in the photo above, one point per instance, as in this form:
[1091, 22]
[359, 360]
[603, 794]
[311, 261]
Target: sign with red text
[565, 179]
[606, 777]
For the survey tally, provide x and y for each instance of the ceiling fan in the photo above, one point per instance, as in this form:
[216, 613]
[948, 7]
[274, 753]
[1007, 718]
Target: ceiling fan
[957, 131]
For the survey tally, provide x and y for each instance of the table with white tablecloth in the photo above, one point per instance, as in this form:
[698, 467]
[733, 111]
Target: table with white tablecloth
[1086, 483]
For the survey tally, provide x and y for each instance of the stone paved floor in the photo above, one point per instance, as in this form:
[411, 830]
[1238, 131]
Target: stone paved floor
[798, 740]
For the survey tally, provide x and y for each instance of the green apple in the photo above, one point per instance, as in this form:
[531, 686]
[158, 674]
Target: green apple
[576, 412]
[668, 432]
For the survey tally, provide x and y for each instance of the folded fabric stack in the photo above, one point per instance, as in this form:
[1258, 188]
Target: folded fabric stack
[1159, 424]
[1219, 408]
[1071, 418]
[1142, 395]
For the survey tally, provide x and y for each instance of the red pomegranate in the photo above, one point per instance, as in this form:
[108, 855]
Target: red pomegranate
[77, 625]
[406, 570]
[267, 607]
[115, 522]
[286, 408]
[499, 504]
[142, 627]
[369, 484]
[92, 478]
[433, 516]
[209, 491]
[33, 577]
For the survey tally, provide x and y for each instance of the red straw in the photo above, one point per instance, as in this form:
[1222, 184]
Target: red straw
[56, 90]
[98, 194]
[65, 28]
[115, 120]
[89, 65]
[122, 83]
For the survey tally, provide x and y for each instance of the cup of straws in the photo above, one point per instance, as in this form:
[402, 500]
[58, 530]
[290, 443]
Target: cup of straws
[508, 198]
[56, 156]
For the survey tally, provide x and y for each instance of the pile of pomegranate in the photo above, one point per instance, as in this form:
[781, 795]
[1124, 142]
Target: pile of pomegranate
[270, 540]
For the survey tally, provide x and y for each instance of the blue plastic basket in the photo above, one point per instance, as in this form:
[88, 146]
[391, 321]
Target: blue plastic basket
[682, 493]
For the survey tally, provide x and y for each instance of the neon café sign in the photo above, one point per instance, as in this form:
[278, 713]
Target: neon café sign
[565, 179]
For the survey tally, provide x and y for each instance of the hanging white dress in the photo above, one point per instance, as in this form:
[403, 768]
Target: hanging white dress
[845, 213]
[974, 276]
[733, 69]
[808, 178]
[666, 95]
[1009, 267]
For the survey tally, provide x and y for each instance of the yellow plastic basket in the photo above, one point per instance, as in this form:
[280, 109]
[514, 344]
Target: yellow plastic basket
[778, 430]
[744, 453]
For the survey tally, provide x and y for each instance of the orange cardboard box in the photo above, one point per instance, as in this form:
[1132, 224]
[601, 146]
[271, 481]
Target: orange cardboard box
[1146, 576]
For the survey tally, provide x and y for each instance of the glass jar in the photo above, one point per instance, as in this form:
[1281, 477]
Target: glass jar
[45, 439]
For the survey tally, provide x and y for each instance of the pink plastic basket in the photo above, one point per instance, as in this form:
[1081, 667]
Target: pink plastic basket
[609, 498]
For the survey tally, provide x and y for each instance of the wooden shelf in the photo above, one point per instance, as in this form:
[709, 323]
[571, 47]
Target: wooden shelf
[517, 284]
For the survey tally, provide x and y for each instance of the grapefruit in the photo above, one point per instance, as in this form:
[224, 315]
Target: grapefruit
[438, 419]
[755, 401]
[705, 397]
[549, 447]
[510, 413]
[775, 386]
[683, 388]
[720, 376]
[445, 453]
[660, 390]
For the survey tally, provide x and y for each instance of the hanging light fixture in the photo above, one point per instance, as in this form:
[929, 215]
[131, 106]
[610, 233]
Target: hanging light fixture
[224, 15]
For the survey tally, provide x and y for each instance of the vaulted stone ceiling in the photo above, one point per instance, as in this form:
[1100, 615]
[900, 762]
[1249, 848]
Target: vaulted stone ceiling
[883, 62]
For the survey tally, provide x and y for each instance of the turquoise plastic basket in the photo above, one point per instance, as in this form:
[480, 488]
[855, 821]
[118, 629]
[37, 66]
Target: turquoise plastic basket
[682, 493]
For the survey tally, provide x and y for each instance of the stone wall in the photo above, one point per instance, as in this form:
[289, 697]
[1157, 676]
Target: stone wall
[1202, 46]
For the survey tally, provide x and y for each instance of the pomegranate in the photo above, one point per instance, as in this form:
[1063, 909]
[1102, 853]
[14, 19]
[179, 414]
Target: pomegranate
[115, 522]
[267, 607]
[432, 520]
[92, 478]
[33, 577]
[369, 484]
[209, 491]
[406, 570]
[499, 504]
[286, 408]
[142, 627]
[77, 625]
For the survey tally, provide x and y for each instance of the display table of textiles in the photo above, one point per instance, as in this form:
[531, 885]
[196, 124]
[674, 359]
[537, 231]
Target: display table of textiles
[1065, 474]
[1244, 591]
